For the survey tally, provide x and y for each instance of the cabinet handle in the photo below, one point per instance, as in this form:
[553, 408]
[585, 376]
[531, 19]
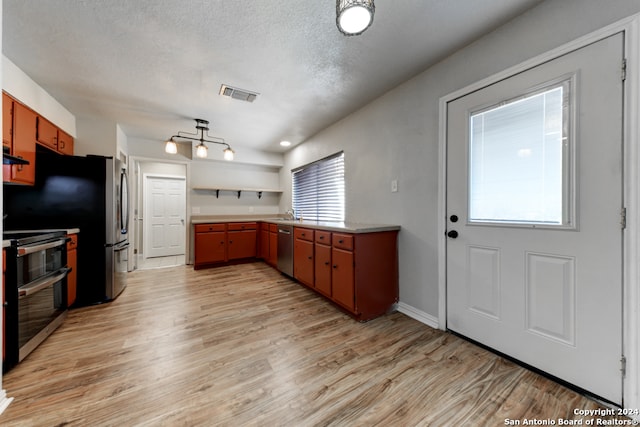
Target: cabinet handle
[321, 237]
[310, 257]
[340, 241]
[326, 263]
[335, 266]
[60, 144]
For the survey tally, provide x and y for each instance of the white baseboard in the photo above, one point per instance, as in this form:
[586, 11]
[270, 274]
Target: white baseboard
[4, 401]
[419, 315]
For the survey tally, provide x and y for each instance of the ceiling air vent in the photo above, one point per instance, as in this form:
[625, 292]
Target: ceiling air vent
[235, 93]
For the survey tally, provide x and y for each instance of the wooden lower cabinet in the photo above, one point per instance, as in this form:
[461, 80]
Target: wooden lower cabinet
[273, 245]
[358, 272]
[303, 259]
[72, 263]
[263, 241]
[342, 278]
[323, 269]
[242, 240]
[210, 244]
[222, 242]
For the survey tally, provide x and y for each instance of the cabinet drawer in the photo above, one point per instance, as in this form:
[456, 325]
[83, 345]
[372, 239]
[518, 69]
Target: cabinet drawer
[204, 228]
[343, 241]
[239, 226]
[303, 234]
[273, 228]
[323, 237]
[73, 243]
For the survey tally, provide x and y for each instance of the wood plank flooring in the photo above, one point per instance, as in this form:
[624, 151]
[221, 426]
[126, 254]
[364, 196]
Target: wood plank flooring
[245, 346]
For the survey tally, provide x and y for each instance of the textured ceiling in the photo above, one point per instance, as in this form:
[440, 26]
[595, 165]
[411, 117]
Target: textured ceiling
[154, 65]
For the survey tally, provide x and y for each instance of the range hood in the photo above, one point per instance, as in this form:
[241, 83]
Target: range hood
[8, 159]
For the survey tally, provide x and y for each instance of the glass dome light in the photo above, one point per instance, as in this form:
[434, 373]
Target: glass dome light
[353, 17]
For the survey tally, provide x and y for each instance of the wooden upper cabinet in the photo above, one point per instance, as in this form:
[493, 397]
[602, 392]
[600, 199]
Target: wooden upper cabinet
[24, 144]
[7, 120]
[47, 134]
[50, 136]
[65, 143]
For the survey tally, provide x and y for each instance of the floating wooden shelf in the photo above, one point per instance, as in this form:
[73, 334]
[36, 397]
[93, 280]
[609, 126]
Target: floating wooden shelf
[239, 191]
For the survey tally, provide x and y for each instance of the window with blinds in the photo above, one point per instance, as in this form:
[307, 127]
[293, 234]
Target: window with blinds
[318, 189]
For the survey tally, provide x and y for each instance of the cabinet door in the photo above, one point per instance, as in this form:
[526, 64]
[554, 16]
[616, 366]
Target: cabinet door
[241, 244]
[65, 143]
[342, 279]
[210, 247]
[7, 120]
[273, 247]
[47, 133]
[323, 269]
[264, 245]
[303, 261]
[24, 143]
[72, 277]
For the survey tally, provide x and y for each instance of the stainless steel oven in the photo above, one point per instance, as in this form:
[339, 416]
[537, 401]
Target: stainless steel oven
[35, 290]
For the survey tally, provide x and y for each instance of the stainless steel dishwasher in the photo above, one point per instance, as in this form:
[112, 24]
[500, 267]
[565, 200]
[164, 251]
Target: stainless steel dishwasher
[285, 249]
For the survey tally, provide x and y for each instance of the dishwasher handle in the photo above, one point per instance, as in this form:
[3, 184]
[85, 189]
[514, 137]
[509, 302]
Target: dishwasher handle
[284, 231]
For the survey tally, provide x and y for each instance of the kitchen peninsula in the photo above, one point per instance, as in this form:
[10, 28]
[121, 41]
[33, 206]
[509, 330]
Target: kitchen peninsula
[354, 265]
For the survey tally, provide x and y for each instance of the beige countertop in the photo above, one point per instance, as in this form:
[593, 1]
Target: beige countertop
[346, 227]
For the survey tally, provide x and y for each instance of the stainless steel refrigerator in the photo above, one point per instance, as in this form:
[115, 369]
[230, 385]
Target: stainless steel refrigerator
[89, 193]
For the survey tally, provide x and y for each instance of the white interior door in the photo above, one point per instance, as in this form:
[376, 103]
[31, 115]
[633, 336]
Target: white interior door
[164, 216]
[534, 202]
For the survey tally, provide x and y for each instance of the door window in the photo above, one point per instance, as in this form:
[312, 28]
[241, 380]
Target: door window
[520, 158]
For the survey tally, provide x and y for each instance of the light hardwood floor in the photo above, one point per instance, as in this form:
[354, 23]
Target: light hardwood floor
[245, 346]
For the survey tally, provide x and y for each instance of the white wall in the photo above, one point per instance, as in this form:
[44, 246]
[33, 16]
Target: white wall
[250, 169]
[17, 84]
[206, 174]
[97, 136]
[396, 136]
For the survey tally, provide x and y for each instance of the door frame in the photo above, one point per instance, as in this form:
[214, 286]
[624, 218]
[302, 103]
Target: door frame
[145, 200]
[631, 182]
[136, 203]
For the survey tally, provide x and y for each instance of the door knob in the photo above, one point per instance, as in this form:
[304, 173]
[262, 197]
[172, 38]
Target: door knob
[453, 234]
[454, 218]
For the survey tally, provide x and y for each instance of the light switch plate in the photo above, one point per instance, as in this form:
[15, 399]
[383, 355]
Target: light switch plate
[394, 186]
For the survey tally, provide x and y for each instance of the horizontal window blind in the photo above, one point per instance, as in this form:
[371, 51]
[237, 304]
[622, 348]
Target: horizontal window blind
[318, 189]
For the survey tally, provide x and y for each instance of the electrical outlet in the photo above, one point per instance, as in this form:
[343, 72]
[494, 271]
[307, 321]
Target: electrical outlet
[394, 186]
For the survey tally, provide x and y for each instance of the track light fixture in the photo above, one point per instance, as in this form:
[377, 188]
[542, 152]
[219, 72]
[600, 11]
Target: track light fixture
[353, 17]
[202, 126]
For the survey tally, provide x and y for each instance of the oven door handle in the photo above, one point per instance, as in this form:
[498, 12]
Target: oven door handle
[26, 250]
[38, 285]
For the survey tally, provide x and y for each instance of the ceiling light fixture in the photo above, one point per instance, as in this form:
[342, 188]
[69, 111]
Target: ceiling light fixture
[201, 149]
[353, 17]
[285, 143]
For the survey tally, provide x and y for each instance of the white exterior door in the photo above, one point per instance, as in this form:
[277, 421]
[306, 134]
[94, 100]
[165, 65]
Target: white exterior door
[534, 203]
[164, 217]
